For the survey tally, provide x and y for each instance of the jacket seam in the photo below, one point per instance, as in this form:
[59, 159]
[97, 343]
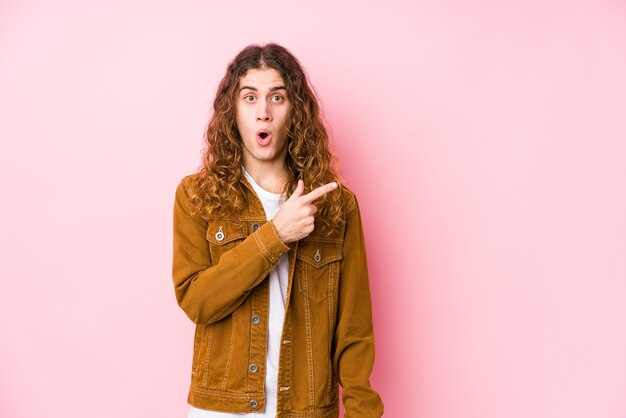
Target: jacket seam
[226, 394]
[205, 379]
[330, 330]
[307, 315]
[230, 350]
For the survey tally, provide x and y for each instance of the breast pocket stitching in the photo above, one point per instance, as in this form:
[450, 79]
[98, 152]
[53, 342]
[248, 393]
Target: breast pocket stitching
[224, 235]
[318, 268]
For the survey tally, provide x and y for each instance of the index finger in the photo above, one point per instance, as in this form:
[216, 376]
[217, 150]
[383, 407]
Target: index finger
[319, 192]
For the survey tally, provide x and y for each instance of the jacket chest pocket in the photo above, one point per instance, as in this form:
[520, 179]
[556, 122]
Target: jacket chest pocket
[317, 268]
[224, 235]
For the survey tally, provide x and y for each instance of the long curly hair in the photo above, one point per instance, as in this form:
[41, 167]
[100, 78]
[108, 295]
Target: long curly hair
[216, 190]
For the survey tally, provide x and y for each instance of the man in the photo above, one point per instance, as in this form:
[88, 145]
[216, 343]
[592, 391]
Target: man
[276, 285]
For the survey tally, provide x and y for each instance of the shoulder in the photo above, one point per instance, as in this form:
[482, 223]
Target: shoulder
[189, 179]
[347, 192]
[348, 199]
[186, 192]
[188, 183]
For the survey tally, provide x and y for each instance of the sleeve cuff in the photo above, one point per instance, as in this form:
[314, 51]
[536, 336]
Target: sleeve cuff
[268, 241]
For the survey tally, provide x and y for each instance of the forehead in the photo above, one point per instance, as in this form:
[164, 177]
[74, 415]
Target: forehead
[261, 77]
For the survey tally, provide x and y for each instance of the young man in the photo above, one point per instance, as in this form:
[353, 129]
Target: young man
[276, 285]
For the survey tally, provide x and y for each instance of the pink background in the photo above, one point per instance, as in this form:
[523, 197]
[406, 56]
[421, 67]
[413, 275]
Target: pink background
[486, 142]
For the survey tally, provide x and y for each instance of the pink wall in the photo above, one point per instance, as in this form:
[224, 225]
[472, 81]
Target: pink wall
[487, 144]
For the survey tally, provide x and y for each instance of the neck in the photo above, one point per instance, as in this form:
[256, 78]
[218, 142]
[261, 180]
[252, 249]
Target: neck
[271, 177]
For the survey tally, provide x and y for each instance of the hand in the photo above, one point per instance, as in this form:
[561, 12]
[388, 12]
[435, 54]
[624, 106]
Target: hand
[294, 220]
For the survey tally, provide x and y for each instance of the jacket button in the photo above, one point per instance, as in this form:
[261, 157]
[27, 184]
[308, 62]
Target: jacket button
[317, 257]
[219, 235]
[253, 404]
[255, 227]
[254, 368]
[256, 319]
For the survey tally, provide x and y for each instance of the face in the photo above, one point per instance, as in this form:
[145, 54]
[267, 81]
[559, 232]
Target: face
[262, 117]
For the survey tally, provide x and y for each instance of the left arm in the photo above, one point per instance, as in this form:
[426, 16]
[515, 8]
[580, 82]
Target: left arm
[353, 355]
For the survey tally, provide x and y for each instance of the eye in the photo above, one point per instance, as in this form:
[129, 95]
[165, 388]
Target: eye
[248, 98]
[278, 98]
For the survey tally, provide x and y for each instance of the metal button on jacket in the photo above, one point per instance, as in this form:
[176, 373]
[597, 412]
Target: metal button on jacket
[219, 235]
[253, 403]
[255, 227]
[256, 319]
[254, 368]
[317, 257]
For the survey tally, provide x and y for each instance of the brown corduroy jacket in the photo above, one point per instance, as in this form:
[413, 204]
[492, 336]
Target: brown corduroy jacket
[220, 272]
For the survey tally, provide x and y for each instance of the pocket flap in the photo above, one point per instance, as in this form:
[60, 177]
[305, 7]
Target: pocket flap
[220, 232]
[318, 253]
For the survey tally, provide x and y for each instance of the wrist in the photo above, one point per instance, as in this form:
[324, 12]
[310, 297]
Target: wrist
[280, 236]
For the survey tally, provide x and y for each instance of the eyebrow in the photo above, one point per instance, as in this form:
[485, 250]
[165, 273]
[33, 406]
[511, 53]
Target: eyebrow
[255, 89]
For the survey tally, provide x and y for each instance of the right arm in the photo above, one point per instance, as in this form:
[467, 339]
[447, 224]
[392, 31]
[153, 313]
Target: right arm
[207, 292]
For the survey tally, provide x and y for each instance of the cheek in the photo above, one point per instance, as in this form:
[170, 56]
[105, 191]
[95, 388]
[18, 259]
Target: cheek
[242, 124]
[285, 119]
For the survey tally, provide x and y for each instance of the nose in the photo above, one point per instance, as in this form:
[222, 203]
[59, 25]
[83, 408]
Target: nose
[263, 112]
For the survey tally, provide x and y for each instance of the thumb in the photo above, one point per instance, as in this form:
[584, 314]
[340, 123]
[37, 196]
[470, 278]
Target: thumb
[299, 190]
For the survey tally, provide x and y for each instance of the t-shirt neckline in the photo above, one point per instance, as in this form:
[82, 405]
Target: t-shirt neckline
[261, 191]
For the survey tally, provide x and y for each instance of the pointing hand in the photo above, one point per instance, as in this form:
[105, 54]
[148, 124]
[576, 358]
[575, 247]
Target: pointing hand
[294, 220]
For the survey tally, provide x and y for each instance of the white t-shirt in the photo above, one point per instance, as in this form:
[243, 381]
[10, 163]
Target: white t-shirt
[278, 295]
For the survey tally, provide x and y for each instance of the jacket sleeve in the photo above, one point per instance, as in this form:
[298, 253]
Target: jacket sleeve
[353, 357]
[208, 292]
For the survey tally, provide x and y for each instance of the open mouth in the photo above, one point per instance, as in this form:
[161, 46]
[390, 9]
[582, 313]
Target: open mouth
[263, 137]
